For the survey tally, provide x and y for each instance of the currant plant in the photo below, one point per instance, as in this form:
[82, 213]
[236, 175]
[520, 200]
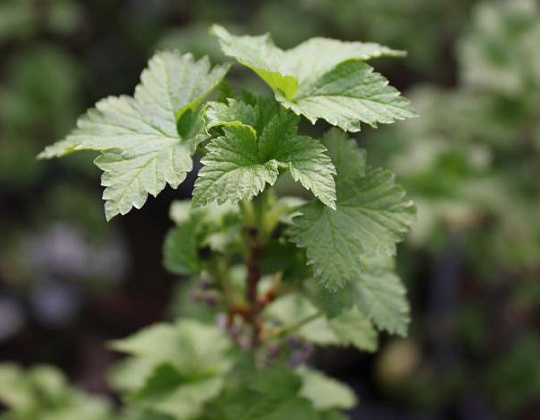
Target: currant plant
[279, 274]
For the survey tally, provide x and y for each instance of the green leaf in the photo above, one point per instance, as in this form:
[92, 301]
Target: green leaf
[218, 114]
[130, 374]
[270, 394]
[184, 366]
[354, 328]
[378, 293]
[232, 169]
[382, 297]
[294, 408]
[372, 215]
[168, 392]
[254, 110]
[324, 392]
[278, 381]
[259, 53]
[16, 392]
[333, 415]
[180, 249]
[349, 94]
[43, 393]
[243, 161]
[193, 348]
[322, 78]
[348, 327]
[146, 141]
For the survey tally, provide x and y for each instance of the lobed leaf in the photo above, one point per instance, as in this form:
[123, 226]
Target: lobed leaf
[322, 78]
[184, 366]
[348, 327]
[377, 293]
[180, 249]
[372, 215]
[257, 143]
[193, 348]
[146, 141]
[324, 392]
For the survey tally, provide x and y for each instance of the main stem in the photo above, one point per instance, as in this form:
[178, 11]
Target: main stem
[252, 283]
[254, 214]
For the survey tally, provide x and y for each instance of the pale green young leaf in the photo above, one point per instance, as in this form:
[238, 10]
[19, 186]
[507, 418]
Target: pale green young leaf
[268, 394]
[333, 415]
[383, 299]
[348, 327]
[180, 248]
[232, 169]
[130, 374]
[193, 348]
[354, 328]
[167, 391]
[322, 78]
[181, 211]
[146, 141]
[261, 55]
[219, 114]
[252, 151]
[183, 366]
[324, 392]
[372, 215]
[42, 392]
[349, 94]
[16, 392]
[296, 408]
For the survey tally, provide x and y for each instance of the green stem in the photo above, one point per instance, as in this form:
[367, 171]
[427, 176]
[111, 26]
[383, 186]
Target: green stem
[295, 327]
[254, 214]
[220, 271]
[248, 213]
[252, 282]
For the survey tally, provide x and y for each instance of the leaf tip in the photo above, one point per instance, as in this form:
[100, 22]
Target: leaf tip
[218, 30]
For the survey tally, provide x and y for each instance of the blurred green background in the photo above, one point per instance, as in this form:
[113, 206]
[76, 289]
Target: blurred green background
[69, 281]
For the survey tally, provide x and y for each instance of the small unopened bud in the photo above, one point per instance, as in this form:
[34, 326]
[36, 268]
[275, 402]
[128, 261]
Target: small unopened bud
[274, 351]
[209, 299]
[196, 295]
[307, 350]
[205, 283]
[234, 331]
[293, 341]
[296, 359]
[222, 322]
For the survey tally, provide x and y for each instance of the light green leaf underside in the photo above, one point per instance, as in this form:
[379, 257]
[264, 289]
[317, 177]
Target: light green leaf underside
[193, 348]
[141, 149]
[324, 392]
[383, 297]
[349, 327]
[130, 374]
[322, 78]
[184, 365]
[372, 215]
[349, 94]
[168, 392]
[180, 247]
[253, 150]
[42, 392]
